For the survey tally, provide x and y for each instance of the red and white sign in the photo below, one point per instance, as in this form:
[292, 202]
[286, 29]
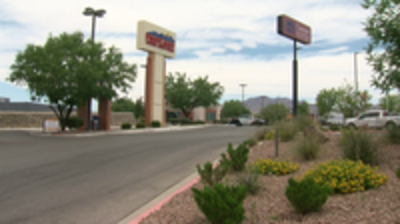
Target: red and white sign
[155, 39]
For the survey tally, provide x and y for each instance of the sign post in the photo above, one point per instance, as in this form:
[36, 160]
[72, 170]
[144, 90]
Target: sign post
[160, 43]
[298, 32]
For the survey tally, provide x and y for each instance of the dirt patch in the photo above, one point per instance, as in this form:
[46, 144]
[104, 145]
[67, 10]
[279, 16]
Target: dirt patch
[381, 205]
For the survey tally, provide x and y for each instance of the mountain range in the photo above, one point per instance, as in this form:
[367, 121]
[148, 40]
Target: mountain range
[255, 104]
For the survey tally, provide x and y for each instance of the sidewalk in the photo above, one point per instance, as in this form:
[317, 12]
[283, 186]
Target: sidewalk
[114, 130]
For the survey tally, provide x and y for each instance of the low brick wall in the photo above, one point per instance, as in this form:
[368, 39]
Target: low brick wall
[35, 119]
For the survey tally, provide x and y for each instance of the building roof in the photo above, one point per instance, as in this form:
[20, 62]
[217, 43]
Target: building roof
[23, 107]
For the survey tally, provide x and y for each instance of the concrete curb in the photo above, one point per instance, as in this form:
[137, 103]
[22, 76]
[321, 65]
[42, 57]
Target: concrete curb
[157, 203]
[119, 132]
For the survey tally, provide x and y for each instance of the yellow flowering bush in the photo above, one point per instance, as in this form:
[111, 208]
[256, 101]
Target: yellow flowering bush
[276, 167]
[270, 135]
[346, 176]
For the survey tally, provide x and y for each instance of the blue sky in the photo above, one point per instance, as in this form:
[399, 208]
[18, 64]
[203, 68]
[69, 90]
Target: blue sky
[231, 41]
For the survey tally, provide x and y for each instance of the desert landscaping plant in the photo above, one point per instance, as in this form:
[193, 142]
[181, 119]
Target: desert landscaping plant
[287, 130]
[126, 126]
[221, 204]
[393, 134]
[259, 134]
[237, 157]
[250, 142]
[358, 145]
[211, 176]
[398, 172]
[334, 127]
[272, 166]
[346, 176]
[250, 181]
[307, 195]
[270, 135]
[303, 121]
[308, 147]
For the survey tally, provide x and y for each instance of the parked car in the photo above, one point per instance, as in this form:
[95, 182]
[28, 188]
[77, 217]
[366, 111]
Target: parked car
[374, 119]
[243, 120]
[259, 122]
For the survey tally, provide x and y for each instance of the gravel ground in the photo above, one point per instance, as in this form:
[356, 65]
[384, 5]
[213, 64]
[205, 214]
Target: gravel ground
[381, 205]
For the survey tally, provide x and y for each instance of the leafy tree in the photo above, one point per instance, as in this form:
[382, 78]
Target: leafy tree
[233, 108]
[303, 108]
[349, 101]
[67, 71]
[138, 108]
[186, 94]
[383, 29]
[391, 101]
[326, 100]
[122, 105]
[274, 112]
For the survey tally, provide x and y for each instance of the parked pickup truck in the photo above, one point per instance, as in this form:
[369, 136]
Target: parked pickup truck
[374, 119]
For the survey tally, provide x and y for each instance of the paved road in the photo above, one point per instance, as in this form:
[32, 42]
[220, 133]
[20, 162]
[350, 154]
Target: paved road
[98, 179]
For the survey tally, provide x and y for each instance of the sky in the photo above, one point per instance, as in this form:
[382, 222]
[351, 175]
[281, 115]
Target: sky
[231, 41]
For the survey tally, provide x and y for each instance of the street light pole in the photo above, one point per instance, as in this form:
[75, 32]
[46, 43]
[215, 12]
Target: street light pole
[94, 14]
[243, 86]
[355, 72]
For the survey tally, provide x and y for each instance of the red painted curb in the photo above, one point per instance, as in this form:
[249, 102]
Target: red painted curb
[163, 202]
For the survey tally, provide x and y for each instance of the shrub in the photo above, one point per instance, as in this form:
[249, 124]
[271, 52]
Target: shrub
[346, 176]
[140, 125]
[250, 142]
[259, 134]
[75, 122]
[250, 182]
[398, 173]
[358, 145]
[334, 127]
[308, 148]
[270, 135]
[306, 195]
[287, 130]
[303, 121]
[276, 167]
[221, 204]
[125, 126]
[210, 176]
[237, 157]
[174, 121]
[393, 135]
[155, 124]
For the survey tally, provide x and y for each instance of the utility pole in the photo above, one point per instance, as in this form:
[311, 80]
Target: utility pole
[243, 86]
[94, 14]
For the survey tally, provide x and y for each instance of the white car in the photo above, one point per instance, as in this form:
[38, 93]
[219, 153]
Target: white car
[374, 119]
[243, 120]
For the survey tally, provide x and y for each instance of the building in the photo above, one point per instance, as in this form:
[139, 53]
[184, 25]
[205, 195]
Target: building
[7, 106]
[208, 115]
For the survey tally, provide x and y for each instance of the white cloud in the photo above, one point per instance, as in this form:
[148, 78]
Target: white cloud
[206, 27]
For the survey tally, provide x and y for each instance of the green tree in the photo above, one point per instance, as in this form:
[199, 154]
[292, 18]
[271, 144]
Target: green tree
[122, 105]
[350, 101]
[233, 108]
[138, 108]
[390, 103]
[186, 94]
[383, 28]
[303, 108]
[67, 71]
[274, 112]
[326, 100]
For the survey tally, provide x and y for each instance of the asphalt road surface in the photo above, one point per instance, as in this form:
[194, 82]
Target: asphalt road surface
[103, 179]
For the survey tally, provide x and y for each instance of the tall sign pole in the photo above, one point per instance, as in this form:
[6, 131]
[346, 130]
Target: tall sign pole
[298, 32]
